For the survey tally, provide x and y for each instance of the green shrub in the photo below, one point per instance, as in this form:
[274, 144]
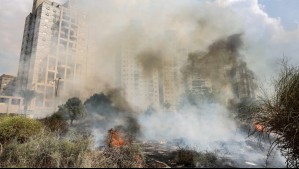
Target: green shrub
[278, 114]
[19, 128]
[56, 123]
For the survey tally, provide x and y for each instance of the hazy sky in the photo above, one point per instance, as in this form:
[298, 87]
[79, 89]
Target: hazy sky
[279, 15]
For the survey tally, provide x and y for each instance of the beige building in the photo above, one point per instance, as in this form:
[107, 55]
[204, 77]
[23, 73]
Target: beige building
[52, 55]
[11, 105]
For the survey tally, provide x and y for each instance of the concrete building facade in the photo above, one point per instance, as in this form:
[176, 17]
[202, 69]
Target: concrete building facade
[52, 55]
[11, 105]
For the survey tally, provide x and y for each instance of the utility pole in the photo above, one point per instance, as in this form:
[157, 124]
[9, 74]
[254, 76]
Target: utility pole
[56, 87]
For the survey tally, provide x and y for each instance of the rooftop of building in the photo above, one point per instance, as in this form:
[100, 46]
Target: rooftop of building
[7, 76]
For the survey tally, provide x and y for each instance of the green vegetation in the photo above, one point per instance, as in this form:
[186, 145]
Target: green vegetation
[48, 150]
[25, 144]
[19, 128]
[56, 123]
[73, 109]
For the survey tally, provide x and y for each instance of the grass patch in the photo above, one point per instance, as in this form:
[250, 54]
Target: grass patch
[46, 150]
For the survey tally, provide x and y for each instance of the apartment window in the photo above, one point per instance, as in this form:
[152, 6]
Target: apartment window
[69, 73]
[4, 100]
[16, 101]
[41, 76]
[49, 104]
[40, 88]
[61, 71]
[51, 76]
[65, 24]
[78, 69]
[40, 100]
[49, 93]
[52, 63]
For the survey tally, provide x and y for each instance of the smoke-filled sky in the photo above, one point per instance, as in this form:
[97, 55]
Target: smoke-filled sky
[272, 25]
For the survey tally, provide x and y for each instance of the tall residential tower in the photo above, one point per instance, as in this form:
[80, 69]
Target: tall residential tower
[53, 52]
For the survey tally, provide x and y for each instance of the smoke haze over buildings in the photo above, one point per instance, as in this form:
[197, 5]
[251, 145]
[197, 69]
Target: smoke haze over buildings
[208, 38]
[149, 31]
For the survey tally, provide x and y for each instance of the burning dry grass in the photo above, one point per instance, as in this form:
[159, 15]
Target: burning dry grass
[48, 150]
[128, 156]
[278, 116]
[121, 152]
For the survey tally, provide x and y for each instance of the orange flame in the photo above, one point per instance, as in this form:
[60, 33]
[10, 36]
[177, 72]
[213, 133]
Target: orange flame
[259, 127]
[115, 139]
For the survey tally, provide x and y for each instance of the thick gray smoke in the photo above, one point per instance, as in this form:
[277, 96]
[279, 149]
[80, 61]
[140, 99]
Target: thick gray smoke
[221, 65]
[150, 61]
[109, 110]
[204, 40]
[209, 127]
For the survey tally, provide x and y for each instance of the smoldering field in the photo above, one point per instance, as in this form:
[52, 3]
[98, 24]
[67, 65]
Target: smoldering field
[211, 34]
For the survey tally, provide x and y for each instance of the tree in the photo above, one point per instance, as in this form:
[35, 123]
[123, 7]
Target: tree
[10, 89]
[28, 95]
[74, 109]
[279, 115]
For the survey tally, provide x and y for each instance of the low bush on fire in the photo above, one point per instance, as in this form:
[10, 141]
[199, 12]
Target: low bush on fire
[49, 150]
[27, 143]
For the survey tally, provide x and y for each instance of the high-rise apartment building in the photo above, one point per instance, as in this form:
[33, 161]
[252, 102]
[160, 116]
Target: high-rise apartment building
[244, 84]
[53, 52]
[160, 87]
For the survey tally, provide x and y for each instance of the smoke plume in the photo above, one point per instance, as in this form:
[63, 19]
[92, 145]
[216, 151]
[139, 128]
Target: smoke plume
[109, 110]
[219, 65]
[157, 35]
[150, 61]
[213, 40]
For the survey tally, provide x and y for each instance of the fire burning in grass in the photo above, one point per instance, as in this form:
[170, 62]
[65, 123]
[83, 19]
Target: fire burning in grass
[122, 151]
[259, 127]
[115, 139]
